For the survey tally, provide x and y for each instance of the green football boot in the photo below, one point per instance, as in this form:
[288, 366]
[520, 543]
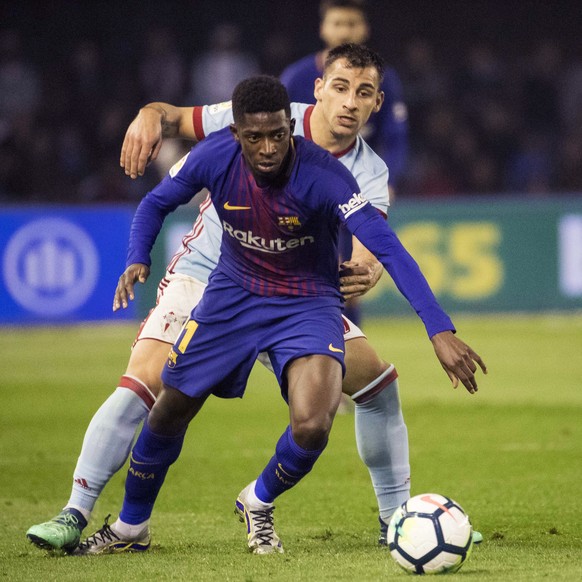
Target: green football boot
[477, 537]
[62, 532]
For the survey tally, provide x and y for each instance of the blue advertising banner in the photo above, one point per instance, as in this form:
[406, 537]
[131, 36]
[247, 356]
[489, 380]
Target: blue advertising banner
[60, 265]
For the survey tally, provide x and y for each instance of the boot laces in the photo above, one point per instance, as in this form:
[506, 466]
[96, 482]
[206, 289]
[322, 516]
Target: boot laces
[263, 525]
[101, 536]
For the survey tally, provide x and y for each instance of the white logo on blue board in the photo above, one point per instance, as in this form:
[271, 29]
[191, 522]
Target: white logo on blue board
[51, 266]
[570, 252]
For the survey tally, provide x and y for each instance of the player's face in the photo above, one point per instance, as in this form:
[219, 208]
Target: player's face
[265, 139]
[348, 96]
[341, 25]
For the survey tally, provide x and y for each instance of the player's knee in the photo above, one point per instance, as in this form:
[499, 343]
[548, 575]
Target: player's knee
[363, 374]
[149, 377]
[163, 423]
[147, 362]
[363, 366]
[173, 411]
[165, 420]
[312, 433]
[381, 394]
[373, 372]
[154, 383]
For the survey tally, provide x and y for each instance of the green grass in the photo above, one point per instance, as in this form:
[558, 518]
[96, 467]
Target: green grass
[511, 455]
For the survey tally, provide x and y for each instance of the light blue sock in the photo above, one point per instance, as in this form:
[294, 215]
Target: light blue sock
[106, 446]
[382, 440]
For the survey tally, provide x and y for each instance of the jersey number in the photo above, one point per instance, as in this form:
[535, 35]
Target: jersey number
[189, 328]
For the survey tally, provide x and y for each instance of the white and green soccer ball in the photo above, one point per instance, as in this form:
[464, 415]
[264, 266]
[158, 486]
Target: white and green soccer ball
[430, 534]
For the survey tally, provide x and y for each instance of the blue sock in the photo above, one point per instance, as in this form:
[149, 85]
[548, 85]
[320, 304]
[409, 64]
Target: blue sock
[149, 462]
[287, 467]
[78, 515]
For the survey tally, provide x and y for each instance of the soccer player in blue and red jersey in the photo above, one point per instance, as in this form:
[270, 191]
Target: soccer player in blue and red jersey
[345, 21]
[280, 201]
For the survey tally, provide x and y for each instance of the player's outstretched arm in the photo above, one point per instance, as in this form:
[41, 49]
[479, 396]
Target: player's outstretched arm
[144, 136]
[360, 273]
[458, 359]
[124, 291]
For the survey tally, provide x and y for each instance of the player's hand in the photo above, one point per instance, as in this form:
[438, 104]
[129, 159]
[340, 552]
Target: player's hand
[458, 360]
[358, 278]
[142, 142]
[131, 275]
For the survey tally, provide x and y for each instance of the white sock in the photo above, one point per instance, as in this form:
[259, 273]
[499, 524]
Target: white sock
[254, 501]
[106, 446]
[382, 440]
[126, 531]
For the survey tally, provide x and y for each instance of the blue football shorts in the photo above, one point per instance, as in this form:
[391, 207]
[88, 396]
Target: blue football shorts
[218, 345]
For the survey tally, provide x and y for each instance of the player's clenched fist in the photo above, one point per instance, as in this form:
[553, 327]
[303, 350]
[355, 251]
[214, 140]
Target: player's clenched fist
[131, 275]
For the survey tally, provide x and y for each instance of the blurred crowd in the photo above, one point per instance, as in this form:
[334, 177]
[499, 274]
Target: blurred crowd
[482, 123]
[488, 124]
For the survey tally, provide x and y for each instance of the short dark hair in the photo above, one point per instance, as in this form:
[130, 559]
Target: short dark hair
[259, 94]
[357, 55]
[326, 5]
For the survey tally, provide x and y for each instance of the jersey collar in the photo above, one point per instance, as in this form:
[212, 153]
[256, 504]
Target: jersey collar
[307, 132]
[307, 123]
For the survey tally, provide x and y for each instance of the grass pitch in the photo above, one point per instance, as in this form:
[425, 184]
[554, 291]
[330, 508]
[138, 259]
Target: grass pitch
[511, 455]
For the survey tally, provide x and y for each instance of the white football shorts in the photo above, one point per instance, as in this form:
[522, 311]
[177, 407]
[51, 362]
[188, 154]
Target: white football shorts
[177, 296]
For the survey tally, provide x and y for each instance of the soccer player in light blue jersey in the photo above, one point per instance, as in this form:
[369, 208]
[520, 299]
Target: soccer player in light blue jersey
[280, 202]
[380, 430]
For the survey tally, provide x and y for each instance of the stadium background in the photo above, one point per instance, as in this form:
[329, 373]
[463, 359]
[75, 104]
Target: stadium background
[489, 202]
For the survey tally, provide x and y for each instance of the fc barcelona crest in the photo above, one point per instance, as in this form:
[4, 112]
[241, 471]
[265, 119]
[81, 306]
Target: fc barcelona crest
[291, 222]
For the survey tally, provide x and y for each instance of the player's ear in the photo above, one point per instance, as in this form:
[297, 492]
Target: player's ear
[234, 131]
[379, 101]
[291, 126]
[318, 88]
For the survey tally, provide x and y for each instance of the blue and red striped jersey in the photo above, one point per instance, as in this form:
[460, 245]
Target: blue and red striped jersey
[282, 239]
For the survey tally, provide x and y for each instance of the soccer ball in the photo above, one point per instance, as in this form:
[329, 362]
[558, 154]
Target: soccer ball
[430, 534]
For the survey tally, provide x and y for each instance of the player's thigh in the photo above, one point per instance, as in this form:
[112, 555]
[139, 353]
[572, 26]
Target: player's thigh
[363, 365]
[314, 389]
[147, 361]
